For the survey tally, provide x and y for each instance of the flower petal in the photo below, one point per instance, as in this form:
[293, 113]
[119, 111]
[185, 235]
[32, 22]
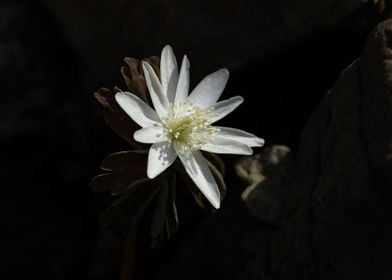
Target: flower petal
[223, 108]
[160, 157]
[239, 135]
[154, 87]
[150, 135]
[220, 145]
[198, 170]
[169, 73]
[135, 108]
[208, 91]
[183, 82]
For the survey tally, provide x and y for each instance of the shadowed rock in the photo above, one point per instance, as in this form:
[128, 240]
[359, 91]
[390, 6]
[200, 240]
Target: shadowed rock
[341, 225]
[270, 176]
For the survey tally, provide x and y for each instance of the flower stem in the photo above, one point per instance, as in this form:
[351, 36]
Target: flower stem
[128, 263]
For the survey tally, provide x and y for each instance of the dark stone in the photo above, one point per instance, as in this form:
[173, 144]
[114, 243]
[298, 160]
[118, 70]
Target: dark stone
[270, 176]
[340, 226]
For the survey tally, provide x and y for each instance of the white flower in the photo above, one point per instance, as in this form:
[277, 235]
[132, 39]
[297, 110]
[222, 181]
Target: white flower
[181, 124]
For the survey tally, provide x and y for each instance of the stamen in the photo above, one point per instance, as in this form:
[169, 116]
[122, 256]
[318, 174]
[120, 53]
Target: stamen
[189, 125]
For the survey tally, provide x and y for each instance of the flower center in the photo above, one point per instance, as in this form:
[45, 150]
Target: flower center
[189, 125]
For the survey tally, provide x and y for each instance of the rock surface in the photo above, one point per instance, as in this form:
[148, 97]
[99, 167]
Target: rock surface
[341, 223]
[270, 176]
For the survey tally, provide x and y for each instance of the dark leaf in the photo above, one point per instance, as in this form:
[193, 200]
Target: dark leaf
[124, 169]
[159, 217]
[142, 208]
[126, 211]
[117, 89]
[172, 215]
[116, 118]
[154, 62]
[134, 78]
[125, 160]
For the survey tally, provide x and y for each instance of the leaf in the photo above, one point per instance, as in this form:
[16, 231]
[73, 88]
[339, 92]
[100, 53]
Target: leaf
[172, 215]
[125, 212]
[159, 217]
[125, 159]
[142, 208]
[134, 78]
[154, 62]
[126, 171]
[165, 219]
[116, 118]
[113, 115]
[123, 169]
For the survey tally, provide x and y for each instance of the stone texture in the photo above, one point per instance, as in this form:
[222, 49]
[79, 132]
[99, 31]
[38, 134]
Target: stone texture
[341, 223]
[270, 176]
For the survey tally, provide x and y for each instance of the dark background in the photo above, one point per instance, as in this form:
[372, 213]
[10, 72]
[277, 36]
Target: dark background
[283, 57]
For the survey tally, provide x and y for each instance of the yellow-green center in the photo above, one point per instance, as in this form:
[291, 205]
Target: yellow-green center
[188, 125]
[180, 129]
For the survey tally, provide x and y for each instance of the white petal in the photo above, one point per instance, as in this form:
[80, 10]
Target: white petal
[198, 170]
[221, 145]
[160, 157]
[150, 135]
[240, 136]
[223, 108]
[208, 91]
[183, 82]
[139, 111]
[169, 73]
[154, 87]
